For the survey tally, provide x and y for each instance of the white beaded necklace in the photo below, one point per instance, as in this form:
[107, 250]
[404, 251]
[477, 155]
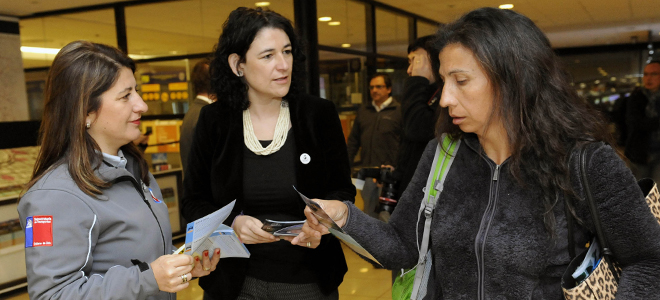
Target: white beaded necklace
[279, 137]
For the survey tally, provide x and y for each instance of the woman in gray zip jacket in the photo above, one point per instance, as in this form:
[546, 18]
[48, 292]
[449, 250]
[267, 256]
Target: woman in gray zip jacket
[499, 228]
[95, 223]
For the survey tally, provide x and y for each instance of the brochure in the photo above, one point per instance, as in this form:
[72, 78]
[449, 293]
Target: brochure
[208, 233]
[335, 230]
[283, 228]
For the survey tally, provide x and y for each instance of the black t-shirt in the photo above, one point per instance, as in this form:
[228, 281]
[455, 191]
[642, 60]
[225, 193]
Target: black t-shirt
[268, 193]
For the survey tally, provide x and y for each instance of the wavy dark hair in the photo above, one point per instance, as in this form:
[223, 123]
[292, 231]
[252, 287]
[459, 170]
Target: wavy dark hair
[81, 72]
[541, 112]
[238, 33]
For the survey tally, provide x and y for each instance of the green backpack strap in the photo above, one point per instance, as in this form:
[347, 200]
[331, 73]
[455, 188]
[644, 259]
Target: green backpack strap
[434, 186]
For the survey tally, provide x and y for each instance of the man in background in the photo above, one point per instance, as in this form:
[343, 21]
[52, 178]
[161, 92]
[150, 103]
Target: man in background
[376, 132]
[643, 124]
[201, 81]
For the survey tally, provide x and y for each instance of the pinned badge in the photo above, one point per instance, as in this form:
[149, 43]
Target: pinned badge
[154, 197]
[304, 158]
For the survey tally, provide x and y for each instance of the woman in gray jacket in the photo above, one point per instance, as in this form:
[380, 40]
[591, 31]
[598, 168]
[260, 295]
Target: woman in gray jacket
[95, 223]
[499, 227]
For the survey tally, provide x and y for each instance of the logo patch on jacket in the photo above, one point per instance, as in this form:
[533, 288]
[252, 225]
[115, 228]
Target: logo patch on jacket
[154, 197]
[39, 231]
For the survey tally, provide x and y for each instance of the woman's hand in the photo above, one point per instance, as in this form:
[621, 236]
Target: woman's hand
[304, 240]
[208, 264]
[249, 231]
[337, 210]
[172, 272]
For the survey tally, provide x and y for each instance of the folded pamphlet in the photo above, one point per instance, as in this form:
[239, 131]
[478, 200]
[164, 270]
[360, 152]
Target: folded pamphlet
[283, 228]
[335, 230]
[208, 233]
[590, 262]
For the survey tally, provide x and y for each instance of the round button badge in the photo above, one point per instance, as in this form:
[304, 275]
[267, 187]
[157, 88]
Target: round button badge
[304, 158]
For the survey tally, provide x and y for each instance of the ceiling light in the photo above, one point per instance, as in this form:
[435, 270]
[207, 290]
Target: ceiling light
[334, 23]
[325, 19]
[262, 4]
[345, 45]
[39, 50]
[506, 6]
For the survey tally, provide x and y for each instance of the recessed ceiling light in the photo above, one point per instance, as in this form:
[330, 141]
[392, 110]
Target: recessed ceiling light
[262, 4]
[506, 6]
[325, 19]
[345, 45]
[334, 23]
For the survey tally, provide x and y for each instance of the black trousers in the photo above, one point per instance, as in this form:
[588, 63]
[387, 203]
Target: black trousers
[255, 289]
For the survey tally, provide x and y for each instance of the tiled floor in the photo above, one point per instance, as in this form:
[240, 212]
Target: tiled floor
[362, 282]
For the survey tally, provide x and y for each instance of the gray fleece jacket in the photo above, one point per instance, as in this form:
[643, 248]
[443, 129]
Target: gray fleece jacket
[101, 246]
[488, 239]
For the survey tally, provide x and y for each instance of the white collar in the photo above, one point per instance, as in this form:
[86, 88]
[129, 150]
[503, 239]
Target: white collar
[382, 106]
[118, 161]
[204, 98]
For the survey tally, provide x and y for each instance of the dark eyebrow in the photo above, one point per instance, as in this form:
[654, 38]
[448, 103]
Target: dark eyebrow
[128, 89]
[457, 71]
[271, 49]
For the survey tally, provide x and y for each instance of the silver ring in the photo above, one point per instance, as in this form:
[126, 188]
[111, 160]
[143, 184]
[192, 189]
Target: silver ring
[184, 278]
[309, 245]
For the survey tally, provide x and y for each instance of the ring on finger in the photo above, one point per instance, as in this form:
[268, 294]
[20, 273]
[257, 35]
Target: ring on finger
[207, 269]
[184, 278]
[309, 245]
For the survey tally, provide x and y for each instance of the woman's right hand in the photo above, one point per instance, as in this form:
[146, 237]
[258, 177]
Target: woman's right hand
[249, 231]
[336, 209]
[170, 271]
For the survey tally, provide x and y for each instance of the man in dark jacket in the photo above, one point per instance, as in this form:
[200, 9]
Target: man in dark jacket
[419, 108]
[376, 131]
[201, 82]
[643, 122]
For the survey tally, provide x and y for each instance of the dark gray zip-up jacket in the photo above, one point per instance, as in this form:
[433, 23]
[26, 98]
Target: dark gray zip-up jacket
[95, 239]
[488, 238]
[376, 135]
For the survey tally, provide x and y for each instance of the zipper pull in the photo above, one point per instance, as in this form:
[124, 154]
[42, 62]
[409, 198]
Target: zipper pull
[497, 172]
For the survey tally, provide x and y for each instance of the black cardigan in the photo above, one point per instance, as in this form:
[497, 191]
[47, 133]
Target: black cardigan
[214, 178]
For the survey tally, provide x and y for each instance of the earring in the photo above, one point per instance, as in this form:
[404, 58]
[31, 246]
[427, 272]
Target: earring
[88, 125]
[240, 73]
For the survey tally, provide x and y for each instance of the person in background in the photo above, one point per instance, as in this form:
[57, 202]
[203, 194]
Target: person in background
[377, 127]
[499, 227]
[201, 81]
[95, 223]
[376, 134]
[262, 137]
[643, 125]
[419, 108]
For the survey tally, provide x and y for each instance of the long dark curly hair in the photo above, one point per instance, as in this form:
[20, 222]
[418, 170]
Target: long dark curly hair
[541, 112]
[238, 33]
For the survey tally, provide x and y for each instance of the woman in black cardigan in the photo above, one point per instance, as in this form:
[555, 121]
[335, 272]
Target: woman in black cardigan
[261, 138]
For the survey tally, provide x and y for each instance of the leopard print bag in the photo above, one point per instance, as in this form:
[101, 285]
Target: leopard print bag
[603, 282]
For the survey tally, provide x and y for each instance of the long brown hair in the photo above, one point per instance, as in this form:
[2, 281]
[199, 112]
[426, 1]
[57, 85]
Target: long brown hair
[81, 72]
[542, 114]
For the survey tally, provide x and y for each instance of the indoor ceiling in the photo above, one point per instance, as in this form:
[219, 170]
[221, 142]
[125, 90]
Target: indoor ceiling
[193, 26]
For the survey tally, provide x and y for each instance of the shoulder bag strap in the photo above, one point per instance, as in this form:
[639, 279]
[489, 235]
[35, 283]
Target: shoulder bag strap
[595, 216]
[441, 165]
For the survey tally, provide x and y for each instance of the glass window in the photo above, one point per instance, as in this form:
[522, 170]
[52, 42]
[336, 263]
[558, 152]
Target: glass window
[164, 86]
[184, 27]
[603, 78]
[342, 78]
[397, 70]
[391, 33]
[47, 35]
[424, 28]
[347, 26]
